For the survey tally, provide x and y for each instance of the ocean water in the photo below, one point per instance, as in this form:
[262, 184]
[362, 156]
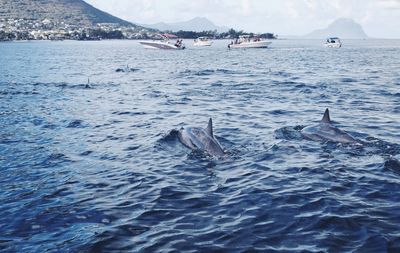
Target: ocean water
[88, 164]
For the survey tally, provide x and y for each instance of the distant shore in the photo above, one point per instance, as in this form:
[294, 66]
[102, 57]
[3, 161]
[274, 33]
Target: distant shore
[21, 29]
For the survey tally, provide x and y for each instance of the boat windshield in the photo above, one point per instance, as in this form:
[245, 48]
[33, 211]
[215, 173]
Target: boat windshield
[333, 40]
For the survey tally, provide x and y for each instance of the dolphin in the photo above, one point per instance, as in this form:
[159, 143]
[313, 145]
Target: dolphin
[201, 139]
[326, 131]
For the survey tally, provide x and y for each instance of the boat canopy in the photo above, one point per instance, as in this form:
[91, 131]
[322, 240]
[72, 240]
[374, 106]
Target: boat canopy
[333, 40]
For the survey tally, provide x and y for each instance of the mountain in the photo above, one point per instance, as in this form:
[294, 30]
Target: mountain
[76, 12]
[343, 28]
[197, 24]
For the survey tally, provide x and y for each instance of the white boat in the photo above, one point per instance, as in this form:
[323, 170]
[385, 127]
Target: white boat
[333, 42]
[245, 41]
[164, 43]
[154, 44]
[202, 42]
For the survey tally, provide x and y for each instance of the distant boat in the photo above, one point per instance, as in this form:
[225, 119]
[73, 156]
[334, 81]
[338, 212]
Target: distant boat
[333, 42]
[164, 43]
[246, 41]
[202, 42]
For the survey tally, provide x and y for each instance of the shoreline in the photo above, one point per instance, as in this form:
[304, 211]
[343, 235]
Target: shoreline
[278, 39]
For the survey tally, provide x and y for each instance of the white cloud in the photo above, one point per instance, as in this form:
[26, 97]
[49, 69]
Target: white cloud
[379, 17]
[246, 7]
[389, 4]
[292, 10]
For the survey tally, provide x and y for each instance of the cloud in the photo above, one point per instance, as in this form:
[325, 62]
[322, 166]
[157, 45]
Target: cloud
[291, 9]
[379, 17]
[389, 4]
[246, 9]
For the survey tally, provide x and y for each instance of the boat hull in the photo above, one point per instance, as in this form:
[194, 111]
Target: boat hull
[333, 45]
[257, 44]
[203, 44]
[160, 45]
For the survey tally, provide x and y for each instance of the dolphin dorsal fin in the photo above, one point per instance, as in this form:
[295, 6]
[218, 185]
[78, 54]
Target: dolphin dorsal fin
[326, 118]
[209, 128]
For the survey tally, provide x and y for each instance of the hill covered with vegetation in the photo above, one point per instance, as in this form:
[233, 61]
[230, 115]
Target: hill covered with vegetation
[76, 12]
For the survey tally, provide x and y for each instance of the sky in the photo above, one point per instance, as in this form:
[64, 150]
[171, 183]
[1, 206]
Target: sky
[379, 18]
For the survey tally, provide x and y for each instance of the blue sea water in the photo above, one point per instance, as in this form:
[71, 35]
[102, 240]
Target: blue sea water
[90, 166]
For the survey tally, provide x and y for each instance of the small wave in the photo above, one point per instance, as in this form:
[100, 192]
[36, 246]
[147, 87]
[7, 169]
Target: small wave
[129, 113]
[76, 124]
[278, 112]
[288, 82]
[378, 146]
[393, 165]
[281, 73]
[126, 69]
[217, 84]
[132, 148]
[14, 93]
[63, 85]
[300, 86]
[199, 155]
[289, 133]
[5, 241]
[86, 153]
[347, 80]
[207, 72]
[171, 136]
[49, 126]
[55, 159]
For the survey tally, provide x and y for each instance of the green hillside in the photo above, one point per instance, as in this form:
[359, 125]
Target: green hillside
[75, 12]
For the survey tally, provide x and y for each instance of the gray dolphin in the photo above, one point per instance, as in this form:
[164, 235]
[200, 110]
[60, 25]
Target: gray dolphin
[326, 131]
[201, 139]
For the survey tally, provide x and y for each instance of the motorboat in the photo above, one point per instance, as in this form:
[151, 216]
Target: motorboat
[202, 42]
[164, 43]
[333, 42]
[246, 41]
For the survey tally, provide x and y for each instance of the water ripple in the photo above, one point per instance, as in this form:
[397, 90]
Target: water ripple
[91, 161]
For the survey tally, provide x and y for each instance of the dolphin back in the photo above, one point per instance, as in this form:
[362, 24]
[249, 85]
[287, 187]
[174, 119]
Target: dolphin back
[201, 139]
[326, 131]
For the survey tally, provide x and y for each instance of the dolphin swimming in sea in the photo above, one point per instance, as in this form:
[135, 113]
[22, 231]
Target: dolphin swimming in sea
[326, 131]
[201, 139]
